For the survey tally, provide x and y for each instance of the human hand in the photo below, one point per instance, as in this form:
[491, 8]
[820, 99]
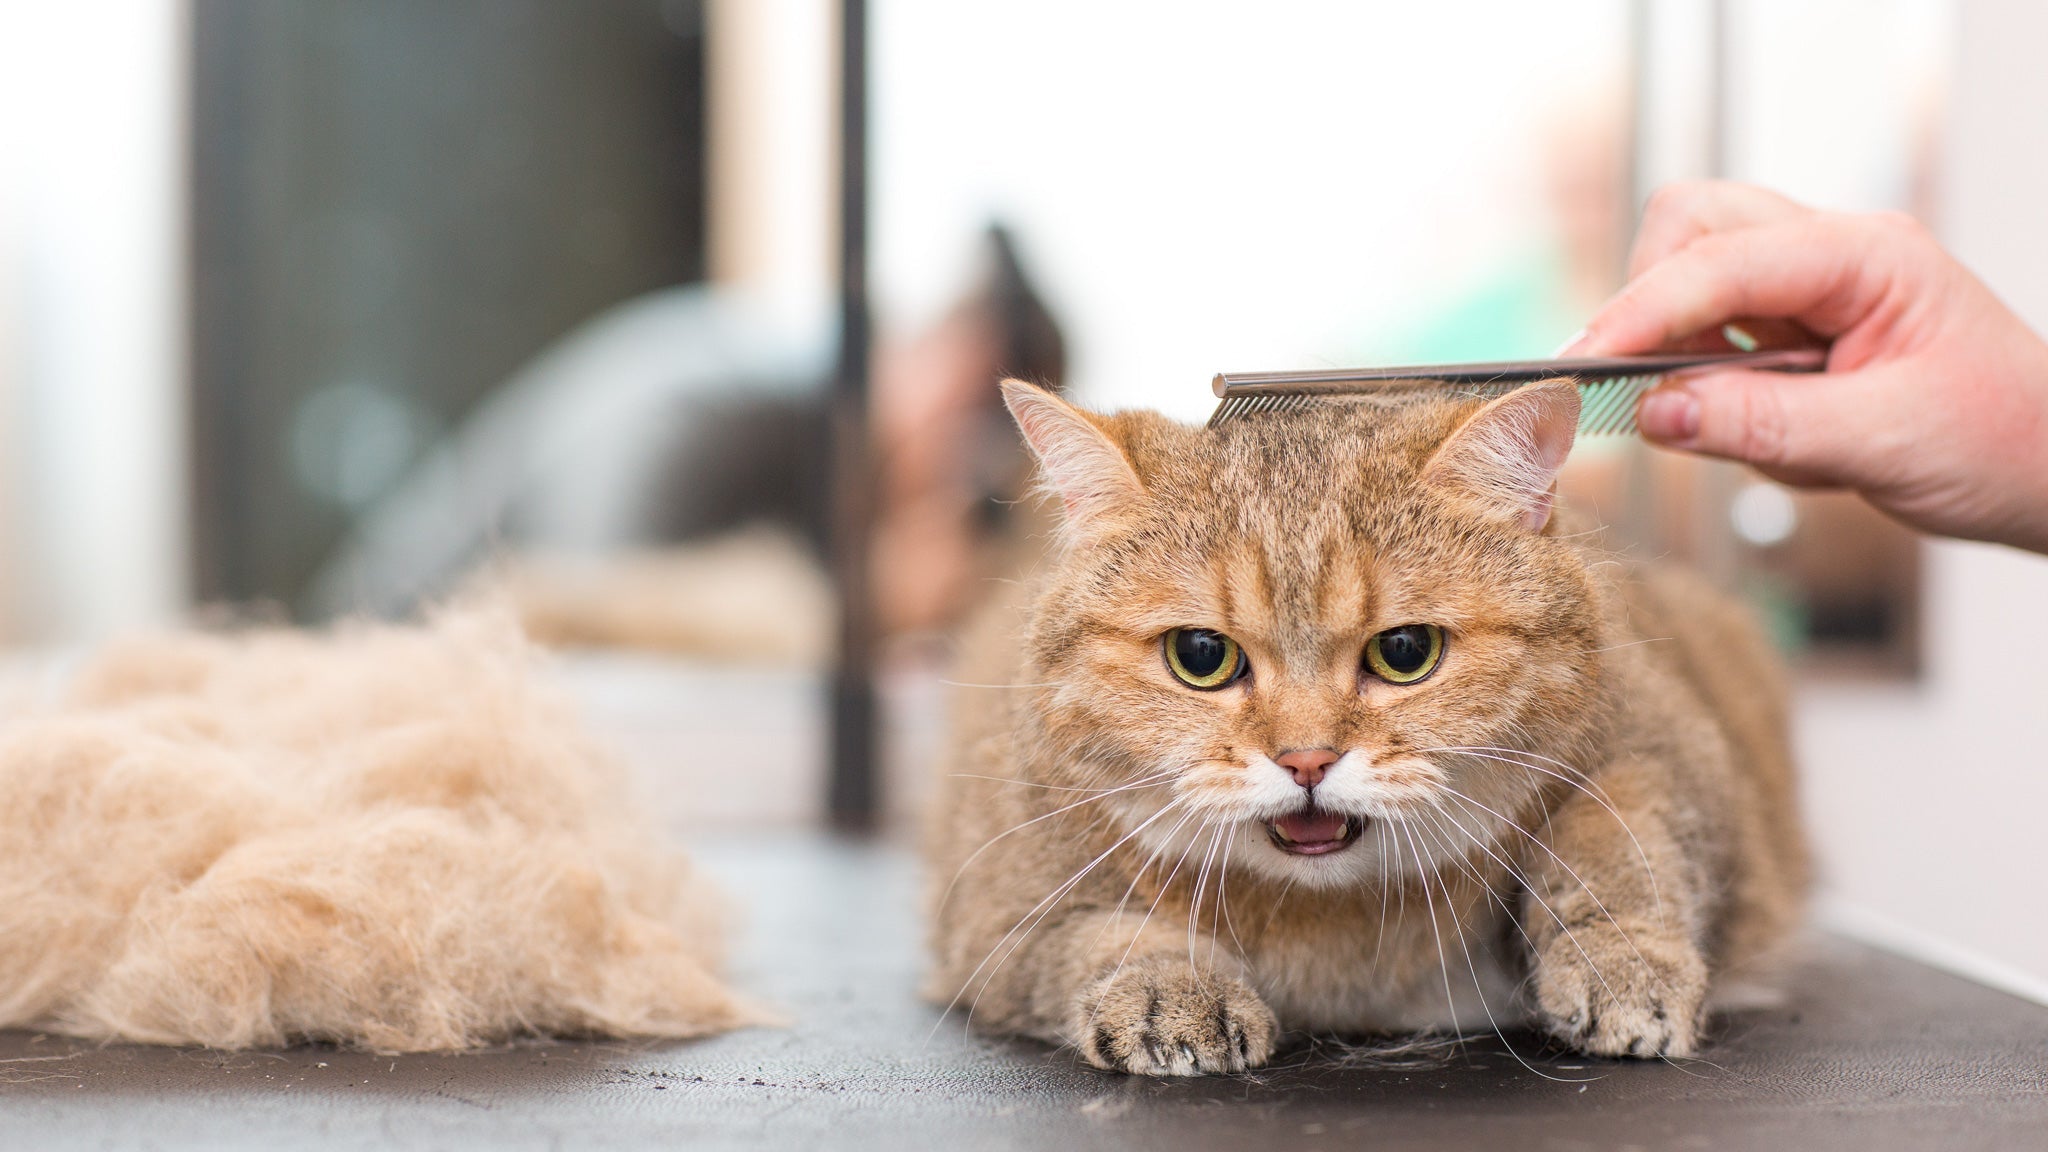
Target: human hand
[1934, 403]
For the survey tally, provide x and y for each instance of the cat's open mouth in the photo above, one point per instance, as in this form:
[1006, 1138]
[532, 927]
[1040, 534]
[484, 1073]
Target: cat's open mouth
[1314, 832]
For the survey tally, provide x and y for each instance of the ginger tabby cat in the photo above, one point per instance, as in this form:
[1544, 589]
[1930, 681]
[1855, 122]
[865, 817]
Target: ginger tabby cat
[1323, 721]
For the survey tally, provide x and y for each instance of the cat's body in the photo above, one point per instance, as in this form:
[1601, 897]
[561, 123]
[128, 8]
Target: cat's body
[1580, 812]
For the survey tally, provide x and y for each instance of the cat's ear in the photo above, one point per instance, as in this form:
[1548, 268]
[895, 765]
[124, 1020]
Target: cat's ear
[1078, 459]
[1506, 455]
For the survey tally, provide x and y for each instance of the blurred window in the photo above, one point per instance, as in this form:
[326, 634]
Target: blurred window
[395, 205]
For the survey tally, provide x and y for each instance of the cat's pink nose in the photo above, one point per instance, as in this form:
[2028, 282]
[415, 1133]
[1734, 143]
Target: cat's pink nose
[1307, 764]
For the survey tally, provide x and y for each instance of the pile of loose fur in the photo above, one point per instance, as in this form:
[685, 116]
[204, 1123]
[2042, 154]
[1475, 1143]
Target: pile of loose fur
[386, 837]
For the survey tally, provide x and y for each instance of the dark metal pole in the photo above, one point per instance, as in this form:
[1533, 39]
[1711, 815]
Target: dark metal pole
[852, 793]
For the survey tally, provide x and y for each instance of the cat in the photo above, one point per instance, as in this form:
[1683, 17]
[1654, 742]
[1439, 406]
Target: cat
[1330, 721]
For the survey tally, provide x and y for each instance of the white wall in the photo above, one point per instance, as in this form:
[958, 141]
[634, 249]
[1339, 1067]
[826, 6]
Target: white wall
[92, 345]
[1210, 185]
[1928, 802]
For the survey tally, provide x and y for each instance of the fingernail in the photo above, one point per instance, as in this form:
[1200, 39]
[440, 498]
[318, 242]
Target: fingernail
[1571, 342]
[1670, 415]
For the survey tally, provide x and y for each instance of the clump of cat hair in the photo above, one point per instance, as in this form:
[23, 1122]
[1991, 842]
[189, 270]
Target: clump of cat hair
[388, 837]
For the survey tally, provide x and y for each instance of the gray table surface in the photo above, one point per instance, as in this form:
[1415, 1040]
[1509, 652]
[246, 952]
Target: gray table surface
[1870, 1052]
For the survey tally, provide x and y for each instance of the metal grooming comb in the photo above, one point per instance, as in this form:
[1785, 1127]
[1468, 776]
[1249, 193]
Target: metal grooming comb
[1608, 386]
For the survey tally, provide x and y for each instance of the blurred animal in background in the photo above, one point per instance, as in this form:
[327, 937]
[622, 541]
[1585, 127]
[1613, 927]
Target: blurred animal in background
[658, 478]
[1328, 721]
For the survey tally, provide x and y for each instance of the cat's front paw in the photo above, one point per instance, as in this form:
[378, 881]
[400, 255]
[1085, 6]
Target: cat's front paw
[1610, 994]
[1161, 1018]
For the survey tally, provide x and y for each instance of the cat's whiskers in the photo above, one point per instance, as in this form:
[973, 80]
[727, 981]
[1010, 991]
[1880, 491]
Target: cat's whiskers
[1153, 783]
[1511, 756]
[1223, 902]
[1401, 908]
[1379, 941]
[1217, 864]
[1273, 909]
[1529, 889]
[1201, 886]
[1577, 777]
[1538, 842]
[1478, 987]
[1058, 894]
[1165, 886]
[1583, 777]
[1527, 886]
[1141, 782]
[1513, 874]
[1629, 644]
[1520, 757]
[1465, 948]
[1041, 909]
[1137, 876]
[1576, 878]
[1400, 811]
[1429, 901]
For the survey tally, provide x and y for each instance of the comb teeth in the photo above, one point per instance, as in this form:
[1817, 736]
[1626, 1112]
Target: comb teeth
[1607, 407]
[1238, 407]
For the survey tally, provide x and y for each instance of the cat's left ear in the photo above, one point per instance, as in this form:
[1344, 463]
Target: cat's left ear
[1077, 458]
[1507, 454]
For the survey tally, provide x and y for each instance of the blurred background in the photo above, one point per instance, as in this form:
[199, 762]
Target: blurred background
[312, 308]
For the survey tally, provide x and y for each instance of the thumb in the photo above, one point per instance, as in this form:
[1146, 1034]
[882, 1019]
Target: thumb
[1804, 429]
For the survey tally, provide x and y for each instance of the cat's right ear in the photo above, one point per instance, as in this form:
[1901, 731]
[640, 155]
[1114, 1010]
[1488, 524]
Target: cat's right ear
[1076, 457]
[1505, 456]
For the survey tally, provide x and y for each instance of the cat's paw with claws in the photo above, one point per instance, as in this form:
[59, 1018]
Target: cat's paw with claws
[1607, 993]
[1163, 1018]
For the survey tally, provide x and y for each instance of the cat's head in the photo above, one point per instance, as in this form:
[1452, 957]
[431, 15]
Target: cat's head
[1321, 645]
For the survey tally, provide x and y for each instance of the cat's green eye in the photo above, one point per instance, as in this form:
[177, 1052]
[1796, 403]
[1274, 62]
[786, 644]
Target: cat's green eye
[1203, 658]
[1406, 654]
